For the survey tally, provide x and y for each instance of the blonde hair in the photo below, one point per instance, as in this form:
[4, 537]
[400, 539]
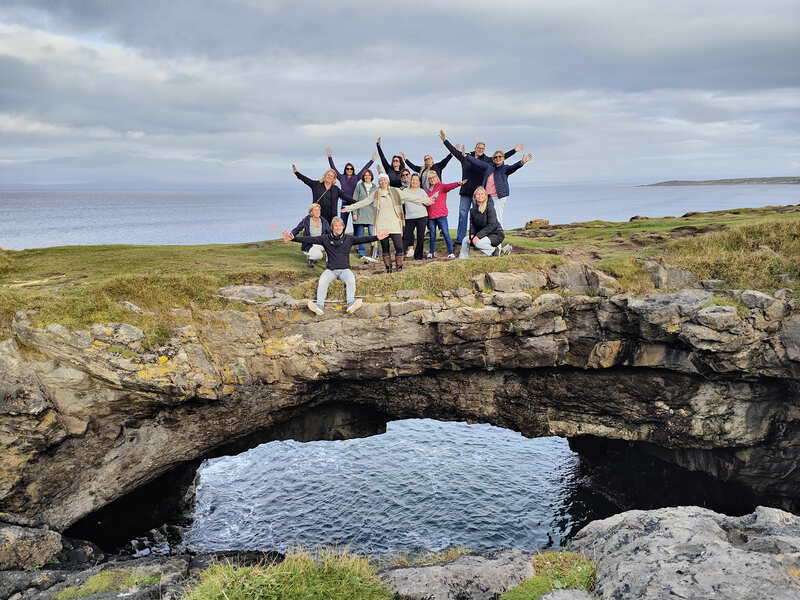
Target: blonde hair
[313, 206]
[500, 152]
[326, 173]
[481, 207]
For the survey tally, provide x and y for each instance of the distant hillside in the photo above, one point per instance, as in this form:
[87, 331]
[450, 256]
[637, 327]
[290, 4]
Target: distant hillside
[742, 181]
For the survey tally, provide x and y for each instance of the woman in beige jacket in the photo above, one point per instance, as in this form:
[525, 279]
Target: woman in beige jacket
[388, 202]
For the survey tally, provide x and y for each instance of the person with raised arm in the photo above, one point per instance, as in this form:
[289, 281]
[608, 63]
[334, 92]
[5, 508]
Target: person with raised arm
[495, 178]
[388, 202]
[427, 166]
[474, 177]
[337, 246]
[325, 193]
[485, 232]
[313, 225]
[437, 212]
[394, 169]
[349, 179]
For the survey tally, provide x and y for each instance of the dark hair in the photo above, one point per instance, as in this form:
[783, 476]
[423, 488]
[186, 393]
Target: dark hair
[364, 174]
[404, 170]
[400, 158]
[351, 165]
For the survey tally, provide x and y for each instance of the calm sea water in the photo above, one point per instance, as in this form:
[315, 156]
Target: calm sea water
[422, 485]
[39, 218]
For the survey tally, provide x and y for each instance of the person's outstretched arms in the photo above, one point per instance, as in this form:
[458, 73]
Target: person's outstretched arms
[307, 180]
[453, 150]
[477, 162]
[366, 166]
[518, 165]
[354, 205]
[407, 196]
[329, 152]
[299, 228]
[409, 164]
[446, 187]
[386, 164]
[443, 163]
[514, 150]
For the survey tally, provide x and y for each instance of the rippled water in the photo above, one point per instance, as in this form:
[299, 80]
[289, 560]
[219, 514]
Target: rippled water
[423, 485]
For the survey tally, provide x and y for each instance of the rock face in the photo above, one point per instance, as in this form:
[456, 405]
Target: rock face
[82, 424]
[474, 576]
[691, 552]
[27, 548]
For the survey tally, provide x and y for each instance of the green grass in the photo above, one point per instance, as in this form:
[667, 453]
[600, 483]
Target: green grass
[433, 278]
[737, 303]
[555, 571]
[747, 257]
[111, 580]
[629, 273]
[327, 575]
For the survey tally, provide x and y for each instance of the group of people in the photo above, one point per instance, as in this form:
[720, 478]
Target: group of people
[406, 199]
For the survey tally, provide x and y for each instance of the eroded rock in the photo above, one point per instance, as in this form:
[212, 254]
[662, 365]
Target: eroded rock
[27, 547]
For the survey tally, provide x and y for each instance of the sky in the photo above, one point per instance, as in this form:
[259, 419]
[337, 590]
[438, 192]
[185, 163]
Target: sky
[234, 92]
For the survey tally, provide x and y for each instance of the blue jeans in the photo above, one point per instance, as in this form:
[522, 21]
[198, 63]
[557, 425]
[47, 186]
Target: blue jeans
[327, 277]
[358, 231]
[464, 204]
[441, 222]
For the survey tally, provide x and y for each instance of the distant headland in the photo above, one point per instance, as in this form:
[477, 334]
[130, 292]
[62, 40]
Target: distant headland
[740, 181]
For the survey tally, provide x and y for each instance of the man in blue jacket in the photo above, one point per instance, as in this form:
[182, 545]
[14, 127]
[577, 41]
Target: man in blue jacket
[474, 177]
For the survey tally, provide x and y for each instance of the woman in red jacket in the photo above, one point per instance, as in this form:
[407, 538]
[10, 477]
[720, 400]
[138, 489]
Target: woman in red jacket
[437, 212]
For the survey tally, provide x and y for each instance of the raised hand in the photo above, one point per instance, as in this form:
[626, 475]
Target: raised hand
[463, 181]
[379, 169]
[287, 237]
[382, 235]
[379, 141]
[518, 147]
[442, 134]
[403, 156]
[328, 151]
[526, 158]
[374, 156]
[463, 150]
[294, 169]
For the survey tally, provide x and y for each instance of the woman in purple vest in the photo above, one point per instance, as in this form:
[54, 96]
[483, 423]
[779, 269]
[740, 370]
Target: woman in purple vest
[349, 179]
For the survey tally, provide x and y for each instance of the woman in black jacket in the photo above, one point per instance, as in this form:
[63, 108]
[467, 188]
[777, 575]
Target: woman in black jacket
[312, 224]
[394, 170]
[485, 232]
[325, 193]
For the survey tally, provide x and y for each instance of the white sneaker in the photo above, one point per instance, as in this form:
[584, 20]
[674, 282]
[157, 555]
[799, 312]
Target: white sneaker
[369, 259]
[410, 252]
[451, 255]
[430, 255]
[505, 250]
[312, 306]
[355, 305]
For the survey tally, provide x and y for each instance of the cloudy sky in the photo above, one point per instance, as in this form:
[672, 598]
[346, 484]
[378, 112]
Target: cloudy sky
[188, 92]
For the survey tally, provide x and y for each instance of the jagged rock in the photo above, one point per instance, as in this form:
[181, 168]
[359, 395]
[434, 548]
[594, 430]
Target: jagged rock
[784, 294]
[479, 282]
[27, 547]
[514, 282]
[718, 317]
[463, 292]
[570, 276]
[712, 284]
[476, 576]
[692, 552]
[599, 282]
[667, 277]
[134, 308]
[409, 293]
[397, 309]
[755, 299]
[247, 292]
[515, 300]
[120, 333]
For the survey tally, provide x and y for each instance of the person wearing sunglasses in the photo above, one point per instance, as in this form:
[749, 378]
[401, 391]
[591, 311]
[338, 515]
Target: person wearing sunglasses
[495, 178]
[348, 180]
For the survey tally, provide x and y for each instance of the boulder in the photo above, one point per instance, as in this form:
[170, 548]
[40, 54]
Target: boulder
[570, 276]
[718, 317]
[405, 294]
[692, 552]
[246, 292]
[712, 284]
[514, 282]
[27, 547]
[116, 333]
[476, 576]
[755, 299]
[667, 277]
[600, 283]
[514, 300]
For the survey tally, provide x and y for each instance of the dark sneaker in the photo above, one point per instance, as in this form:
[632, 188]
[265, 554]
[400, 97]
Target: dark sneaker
[496, 251]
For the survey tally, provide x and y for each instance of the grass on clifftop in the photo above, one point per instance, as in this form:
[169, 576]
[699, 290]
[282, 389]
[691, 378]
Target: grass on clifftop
[329, 575]
[80, 285]
[555, 571]
[110, 580]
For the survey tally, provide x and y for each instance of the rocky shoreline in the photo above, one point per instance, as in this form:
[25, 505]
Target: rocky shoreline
[684, 552]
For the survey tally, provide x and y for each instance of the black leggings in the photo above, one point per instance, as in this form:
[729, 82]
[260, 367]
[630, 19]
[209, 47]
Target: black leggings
[397, 239]
[418, 224]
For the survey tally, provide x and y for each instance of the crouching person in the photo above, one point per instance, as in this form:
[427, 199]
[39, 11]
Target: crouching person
[313, 225]
[485, 232]
[337, 247]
